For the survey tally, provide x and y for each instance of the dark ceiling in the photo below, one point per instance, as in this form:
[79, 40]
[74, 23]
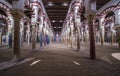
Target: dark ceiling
[101, 3]
[56, 10]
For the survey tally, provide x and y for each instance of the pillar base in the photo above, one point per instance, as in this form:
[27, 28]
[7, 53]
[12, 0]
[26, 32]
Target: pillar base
[119, 45]
[16, 59]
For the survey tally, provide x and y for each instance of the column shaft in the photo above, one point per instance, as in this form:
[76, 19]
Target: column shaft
[17, 15]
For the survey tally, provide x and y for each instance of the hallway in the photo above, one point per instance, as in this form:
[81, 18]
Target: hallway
[60, 60]
[59, 38]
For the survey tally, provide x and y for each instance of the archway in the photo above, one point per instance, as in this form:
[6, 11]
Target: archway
[25, 31]
[5, 11]
[3, 30]
[110, 33]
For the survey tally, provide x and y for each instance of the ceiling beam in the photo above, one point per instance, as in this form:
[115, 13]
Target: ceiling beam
[57, 14]
[54, 18]
[56, 7]
[60, 11]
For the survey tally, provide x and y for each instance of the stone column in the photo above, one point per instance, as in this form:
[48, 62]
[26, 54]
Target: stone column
[41, 24]
[41, 31]
[72, 28]
[68, 36]
[82, 34]
[17, 15]
[90, 15]
[113, 32]
[86, 33]
[10, 31]
[21, 33]
[34, 20]
[0, 36]
[118, 35]
[78, 37]
[77, 24]
[102, 29]
[117, 23]
[33, 37]
[28, 34]
[117, 17]
[44, 30]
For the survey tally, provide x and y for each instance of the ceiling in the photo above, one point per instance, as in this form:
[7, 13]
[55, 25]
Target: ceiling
[56, 10]
[101, 3]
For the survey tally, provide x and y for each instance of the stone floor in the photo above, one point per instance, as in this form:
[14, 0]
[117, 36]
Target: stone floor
[60, 60]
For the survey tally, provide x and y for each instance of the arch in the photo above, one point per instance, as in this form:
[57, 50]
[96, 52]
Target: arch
[111, 8]
[6, 9]
[4, 26]
[23, 21]
[5, 18]
[25, 29]
[2, 16]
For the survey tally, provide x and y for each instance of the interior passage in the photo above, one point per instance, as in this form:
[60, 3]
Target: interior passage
[59, 37]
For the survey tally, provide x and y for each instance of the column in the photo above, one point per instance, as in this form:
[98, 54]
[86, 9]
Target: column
[82, 34]
[0, 36]
[17, 15]
[90, 14]
[102, 29]
[41, 31]
[10, 31]
[72, 28]
[113, 32]
[118, 35]
[117, 22]
[21, 33]
[86, 33]
[117, 17]
[28, 34]
[44, 34]
[77, 22]
[78, 37]
[34, 20]
[41, 24]
[68, 35]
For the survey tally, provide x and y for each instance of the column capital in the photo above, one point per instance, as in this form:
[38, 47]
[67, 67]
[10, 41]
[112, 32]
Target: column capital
[90, 15]
[17, 14]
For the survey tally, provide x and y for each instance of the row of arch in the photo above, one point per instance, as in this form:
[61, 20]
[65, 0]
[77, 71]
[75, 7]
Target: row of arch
[41, 20]
[76, 28]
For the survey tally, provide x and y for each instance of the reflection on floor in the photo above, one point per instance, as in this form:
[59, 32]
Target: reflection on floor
[60, 60]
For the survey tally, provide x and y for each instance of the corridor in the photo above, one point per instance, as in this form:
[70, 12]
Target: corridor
[60, 60]
[59, 37]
